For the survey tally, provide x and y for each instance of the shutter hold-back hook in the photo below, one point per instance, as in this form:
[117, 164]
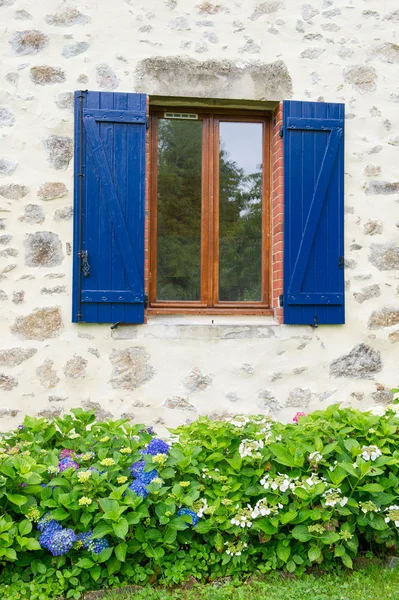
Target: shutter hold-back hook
[315, 323]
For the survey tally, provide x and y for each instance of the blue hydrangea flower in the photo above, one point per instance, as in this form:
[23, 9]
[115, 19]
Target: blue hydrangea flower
[190, 513]
[45, 521]
[67, 463]
[98, 545]
[61, 542]
[51, 528]
[85, 538]
[137, 470]
[139, 488]
[157, 446]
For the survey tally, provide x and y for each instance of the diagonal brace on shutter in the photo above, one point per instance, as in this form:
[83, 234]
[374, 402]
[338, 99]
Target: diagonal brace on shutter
[110, 198]
[294, 290]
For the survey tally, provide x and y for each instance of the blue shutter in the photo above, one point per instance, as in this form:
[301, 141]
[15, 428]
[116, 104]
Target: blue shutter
[110, 141]
[313, 213]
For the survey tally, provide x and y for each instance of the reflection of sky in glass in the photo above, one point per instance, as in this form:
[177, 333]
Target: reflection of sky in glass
[243, 144]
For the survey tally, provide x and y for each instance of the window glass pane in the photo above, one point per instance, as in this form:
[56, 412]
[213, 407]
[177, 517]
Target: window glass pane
[240, 212]
[179, 210]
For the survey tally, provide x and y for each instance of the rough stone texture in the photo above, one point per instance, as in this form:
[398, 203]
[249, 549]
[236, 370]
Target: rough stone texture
[23, 15]
[131, 368]
[362, 362]
[385, 317]
[312, 53]
[7, 167]
[372, 170]
[75, 49]
[179, 403]
[213, 78]
[58, 289]
[18, 297]
[43, 249]
[362, 77]
[106, 77]
[266, 8]
[197, 381]
[12, 357]
[59, 151]
[373, 228]
[75, 368]
[67, 17]
[30, 41]
[299, 397]
[33, 214]
[47, 375]
[308, 12]
[384, 256]
[267, 401]
[179, 23]
[376, 188]
[5, 239]
[100, 413]
[9, 252]
[7, 118]
[394, 336]
[64, 101]
[368, 292]
[7, 383]
[41, 324]
[382, 396]
[14, 191]
[52, 190]
[46, 75]
[50, 413]
[388, 52]
[63, 214]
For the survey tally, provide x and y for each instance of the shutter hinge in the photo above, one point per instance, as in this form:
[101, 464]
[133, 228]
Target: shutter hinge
[115, 325]
[281, 300]
[146, 301]
[84, 262]
[281, 131]
[341, 262]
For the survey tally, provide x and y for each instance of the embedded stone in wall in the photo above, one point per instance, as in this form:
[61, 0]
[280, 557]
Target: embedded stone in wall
[312, 53]
[47, 375]
[58, 289]
[308, 12]
[67, 17]
[46, 75]
[197, 381]
[394, 337]
[299, 397]
[18, 297]
[368, 292]
[385, 317]
[5, 239]
[12, 357]
[33, 214]
[382, 395]
[179, 403]
[22, 15]
[268, 401]
[74, 49]
[28, 42]
[392, 16]
[345, 52]
[8, 252]
[4, 3]
[57, 398]
[64, 101]
[106, 77]
[131, 368]
[75, 368]
[388, 52]
[372, 170]
[3, 296]
[384, 256]
[50, 413]
[363, 78]
[250, 47]
[373, 227]
[51, 190]
[7, 167]
[100, 413]
[362, 362]
[59, 150]
[63, 214]
[5, 411]
[41, 324]
[179, 23]
[7, 383]
[7, 118]
[385, 188]
[43, 249]
[94, 352]
[266, 8]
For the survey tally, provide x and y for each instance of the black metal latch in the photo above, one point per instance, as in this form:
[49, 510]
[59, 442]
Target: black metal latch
[341, 262]
[84, 262]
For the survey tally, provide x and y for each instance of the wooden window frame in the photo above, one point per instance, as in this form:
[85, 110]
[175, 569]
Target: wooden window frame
[209, 303]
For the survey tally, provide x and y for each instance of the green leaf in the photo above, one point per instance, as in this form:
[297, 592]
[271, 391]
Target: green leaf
[121, 528]
[10, 554]
[349, 468]
[85, 563]
[25, 527]
[17, 499]
[95, 573]
[351, 444]
[301, 533]
[104, 555]
[283, 456]
[107, 504]
[218, 541]
[291, 566]
[301, 493]
[372, 487]
[170, 535]
[330, 537]
[346, 559]
[113, 565]
[290, 515]
[120, 551]
[203, 526]
[60, 514]
[32, 544]
[283, 551]
[314, 553]
[102, 529]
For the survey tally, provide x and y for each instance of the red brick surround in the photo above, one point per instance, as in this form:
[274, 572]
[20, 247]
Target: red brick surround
[277, 212]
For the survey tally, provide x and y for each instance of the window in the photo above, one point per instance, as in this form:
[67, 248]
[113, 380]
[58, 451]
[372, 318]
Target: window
[209, 211]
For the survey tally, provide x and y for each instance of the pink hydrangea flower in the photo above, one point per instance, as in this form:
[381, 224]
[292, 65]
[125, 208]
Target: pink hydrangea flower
[298, 414]
[66, 453]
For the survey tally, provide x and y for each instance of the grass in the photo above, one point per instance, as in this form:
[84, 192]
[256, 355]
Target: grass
[374, 583]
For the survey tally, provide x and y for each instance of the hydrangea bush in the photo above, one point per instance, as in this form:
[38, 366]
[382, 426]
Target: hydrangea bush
[87, 504]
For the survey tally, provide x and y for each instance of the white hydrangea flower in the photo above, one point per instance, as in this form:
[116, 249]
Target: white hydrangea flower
[370, 453]
[250, 448]
[315, 457]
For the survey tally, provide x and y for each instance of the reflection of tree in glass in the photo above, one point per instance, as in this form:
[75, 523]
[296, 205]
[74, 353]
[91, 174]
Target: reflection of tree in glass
[179, 219]
[179, 210]
[240, 231]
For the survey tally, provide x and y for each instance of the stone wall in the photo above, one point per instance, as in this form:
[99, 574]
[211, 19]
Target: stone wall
[171, 370]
